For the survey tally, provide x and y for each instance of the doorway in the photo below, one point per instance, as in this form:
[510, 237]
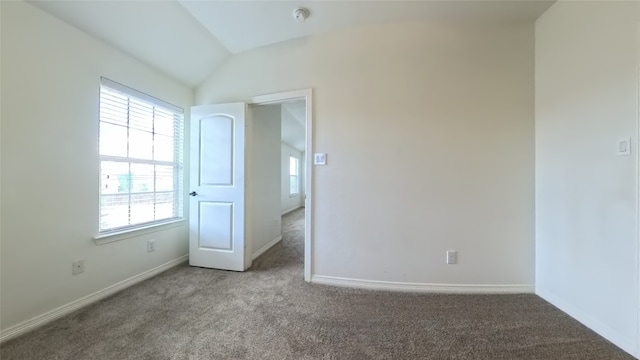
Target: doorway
[296, 106]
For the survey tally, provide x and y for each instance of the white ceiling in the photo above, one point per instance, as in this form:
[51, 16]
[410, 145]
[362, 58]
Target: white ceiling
[188, 39]
[245, 25]
[294, 124]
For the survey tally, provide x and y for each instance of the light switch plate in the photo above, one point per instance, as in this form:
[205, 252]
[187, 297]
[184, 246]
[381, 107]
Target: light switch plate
[319, 159]
[624, 147]
[452, 257]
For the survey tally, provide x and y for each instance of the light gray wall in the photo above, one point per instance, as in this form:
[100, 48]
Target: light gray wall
[430, 147]
[263, 177]
[50, 179]
[289, 203]
[586, 195]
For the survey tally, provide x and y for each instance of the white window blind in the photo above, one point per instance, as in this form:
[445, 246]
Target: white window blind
[141, 165]
[294, 178]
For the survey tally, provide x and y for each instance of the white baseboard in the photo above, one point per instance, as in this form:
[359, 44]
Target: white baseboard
[422, 287]
[625, 343]
[40, 320]
[266, 247]
[292, 209]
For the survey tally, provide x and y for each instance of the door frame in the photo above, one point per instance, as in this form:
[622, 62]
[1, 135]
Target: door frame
[637, 155]
[279, 98]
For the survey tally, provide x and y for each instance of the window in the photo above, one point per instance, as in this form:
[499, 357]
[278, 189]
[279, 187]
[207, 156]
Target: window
[140, 144]
[294, 178]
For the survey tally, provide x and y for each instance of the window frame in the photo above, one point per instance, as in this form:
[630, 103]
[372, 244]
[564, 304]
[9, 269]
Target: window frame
[156, 105]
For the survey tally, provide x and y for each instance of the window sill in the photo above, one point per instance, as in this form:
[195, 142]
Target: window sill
[126, 234]
[294, 195]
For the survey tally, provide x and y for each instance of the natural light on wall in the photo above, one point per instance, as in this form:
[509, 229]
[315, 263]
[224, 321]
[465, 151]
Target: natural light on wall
[141, 165]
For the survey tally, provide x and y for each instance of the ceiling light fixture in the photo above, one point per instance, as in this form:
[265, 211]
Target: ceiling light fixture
[300, 14]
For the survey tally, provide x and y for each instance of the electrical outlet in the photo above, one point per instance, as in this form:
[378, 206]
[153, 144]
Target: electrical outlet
[452, 257]
[151, 245]
[77, 267]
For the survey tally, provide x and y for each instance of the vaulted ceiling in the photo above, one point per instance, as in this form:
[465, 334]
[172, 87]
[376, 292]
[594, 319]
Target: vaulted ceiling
[189, 39]
[293, 124]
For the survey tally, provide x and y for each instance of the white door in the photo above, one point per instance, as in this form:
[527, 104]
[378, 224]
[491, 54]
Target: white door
[217, 187]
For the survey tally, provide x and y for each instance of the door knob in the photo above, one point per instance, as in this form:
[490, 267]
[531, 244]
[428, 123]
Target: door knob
[193, 193]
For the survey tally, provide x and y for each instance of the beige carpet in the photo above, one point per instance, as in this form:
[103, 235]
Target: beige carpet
[269, 312]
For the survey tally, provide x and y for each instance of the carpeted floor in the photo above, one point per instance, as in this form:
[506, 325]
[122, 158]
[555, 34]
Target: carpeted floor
[269, 312]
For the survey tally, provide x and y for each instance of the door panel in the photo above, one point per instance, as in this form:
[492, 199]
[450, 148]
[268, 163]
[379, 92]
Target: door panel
[216, 235]
[217, 204]
[216, 150]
